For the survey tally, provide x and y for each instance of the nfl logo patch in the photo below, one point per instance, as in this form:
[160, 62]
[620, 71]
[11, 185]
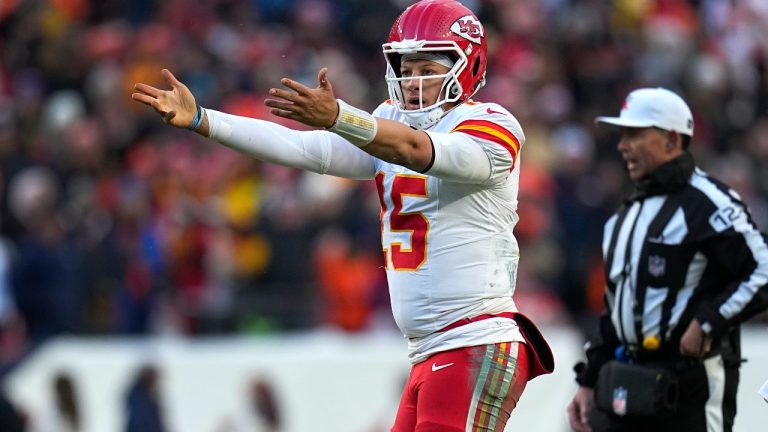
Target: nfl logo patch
[620, 401]
[657, 265]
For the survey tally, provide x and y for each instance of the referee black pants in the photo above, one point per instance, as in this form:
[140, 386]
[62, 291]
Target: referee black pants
[698, 409]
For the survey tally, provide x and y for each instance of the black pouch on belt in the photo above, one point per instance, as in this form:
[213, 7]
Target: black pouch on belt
[635, 391]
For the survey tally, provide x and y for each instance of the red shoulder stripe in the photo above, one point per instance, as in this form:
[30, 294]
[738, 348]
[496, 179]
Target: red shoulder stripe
[491, 132]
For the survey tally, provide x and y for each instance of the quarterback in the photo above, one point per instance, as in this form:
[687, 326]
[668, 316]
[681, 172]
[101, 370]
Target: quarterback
[446, 169]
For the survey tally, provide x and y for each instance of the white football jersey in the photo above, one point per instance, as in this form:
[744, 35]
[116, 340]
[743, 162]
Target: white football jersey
[448, 245]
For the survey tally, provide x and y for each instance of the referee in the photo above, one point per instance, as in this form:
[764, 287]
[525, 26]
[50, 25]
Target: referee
[684, 266]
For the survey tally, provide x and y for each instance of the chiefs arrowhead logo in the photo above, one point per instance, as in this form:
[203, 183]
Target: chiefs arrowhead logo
[469, 28]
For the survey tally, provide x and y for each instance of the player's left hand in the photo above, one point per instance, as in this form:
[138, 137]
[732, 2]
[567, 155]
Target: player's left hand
[695, 343]
[311, 106]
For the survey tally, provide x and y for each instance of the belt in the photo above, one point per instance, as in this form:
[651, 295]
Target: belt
[465, 321]
[666, 356]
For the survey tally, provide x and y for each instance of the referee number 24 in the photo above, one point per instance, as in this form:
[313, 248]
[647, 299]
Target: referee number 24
[413, 223]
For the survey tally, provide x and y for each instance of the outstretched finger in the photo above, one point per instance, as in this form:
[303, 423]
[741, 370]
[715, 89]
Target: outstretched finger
[170, 78]
[283, 94]
[281, 105]
[284, 114]
[322, 79]
[155, 104]
[143, 98]
[147, 89]
[296, 86]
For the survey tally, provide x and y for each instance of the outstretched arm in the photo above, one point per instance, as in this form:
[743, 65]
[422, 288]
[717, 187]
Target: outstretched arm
[391, 141]
[318, 151]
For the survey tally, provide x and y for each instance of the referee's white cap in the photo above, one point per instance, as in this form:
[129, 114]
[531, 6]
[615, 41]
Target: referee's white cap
[653, 107]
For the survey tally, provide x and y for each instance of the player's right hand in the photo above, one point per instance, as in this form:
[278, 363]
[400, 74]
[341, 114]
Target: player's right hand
[176, 106]
[579, 409]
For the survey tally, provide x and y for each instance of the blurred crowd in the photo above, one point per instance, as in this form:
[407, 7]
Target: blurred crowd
[113, 223]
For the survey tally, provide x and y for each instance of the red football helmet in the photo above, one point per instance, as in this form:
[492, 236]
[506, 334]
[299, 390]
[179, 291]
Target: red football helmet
[438, 26]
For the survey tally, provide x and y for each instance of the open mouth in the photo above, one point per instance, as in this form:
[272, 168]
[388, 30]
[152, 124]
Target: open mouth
[631, 164]
[413, 103]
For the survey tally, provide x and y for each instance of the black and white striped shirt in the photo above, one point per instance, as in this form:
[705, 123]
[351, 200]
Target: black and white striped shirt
[685, 249]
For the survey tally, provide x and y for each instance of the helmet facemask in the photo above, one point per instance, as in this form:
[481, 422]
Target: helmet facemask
[451, 89]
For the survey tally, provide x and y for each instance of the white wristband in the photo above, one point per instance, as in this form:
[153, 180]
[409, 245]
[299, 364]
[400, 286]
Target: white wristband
[354, 125]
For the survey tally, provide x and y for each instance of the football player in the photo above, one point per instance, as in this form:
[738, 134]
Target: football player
[447, 170]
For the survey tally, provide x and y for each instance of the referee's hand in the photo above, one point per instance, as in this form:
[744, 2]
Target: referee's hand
[579, 408]
[695, 343]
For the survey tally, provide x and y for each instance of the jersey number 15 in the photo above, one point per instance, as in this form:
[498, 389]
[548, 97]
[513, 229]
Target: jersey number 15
[415, 223]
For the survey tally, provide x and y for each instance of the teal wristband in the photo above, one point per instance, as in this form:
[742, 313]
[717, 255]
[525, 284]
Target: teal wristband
[197, 120]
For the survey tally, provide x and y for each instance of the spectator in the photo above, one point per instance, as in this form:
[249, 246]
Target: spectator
[65, 415]
[131, 193]
[144, 411]
[262, 413]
